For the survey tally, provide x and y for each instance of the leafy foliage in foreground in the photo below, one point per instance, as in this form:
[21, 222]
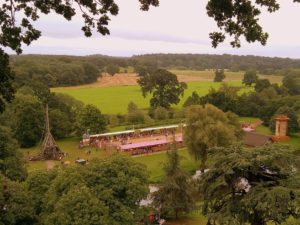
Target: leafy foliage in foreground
[104, 192]
[6, 79]
[207, 127]
[253, 186]
[233, 17]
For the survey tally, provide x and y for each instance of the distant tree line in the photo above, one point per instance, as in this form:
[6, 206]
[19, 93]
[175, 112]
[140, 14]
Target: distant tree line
[56, 71]
[264, 65]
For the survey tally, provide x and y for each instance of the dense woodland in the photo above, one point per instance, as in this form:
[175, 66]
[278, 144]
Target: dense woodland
[56, 71]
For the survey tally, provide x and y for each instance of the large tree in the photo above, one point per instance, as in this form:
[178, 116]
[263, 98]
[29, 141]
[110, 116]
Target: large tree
[16, 205]
[11, 162]
[219, 75]
[250, 77]
[112, 69]
[251, 186]
[225, 98]
[105, 191]
[175, 195]
[164, 87]
[261, 84]
[291, 81]
[90, 119]
[6, 78]
[207, 127]
[28, 119]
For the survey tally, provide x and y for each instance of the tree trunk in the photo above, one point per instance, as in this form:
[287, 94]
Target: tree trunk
[202, 165]
[203, 161]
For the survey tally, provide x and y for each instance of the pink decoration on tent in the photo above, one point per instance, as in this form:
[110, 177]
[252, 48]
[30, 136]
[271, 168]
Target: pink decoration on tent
[248, 129]
[143, 144]
[148, 144]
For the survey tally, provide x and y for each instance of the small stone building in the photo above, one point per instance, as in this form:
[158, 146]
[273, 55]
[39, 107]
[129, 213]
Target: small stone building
[281, 128]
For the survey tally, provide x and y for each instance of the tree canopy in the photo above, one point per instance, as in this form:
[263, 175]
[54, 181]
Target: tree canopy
[11, 163]
[254, 186]
[105, 191]
[207, 127]
[164, 87]
[90, 119]
[261, 84]
[219, 75]
[6, 78]
[250, 77]
[102, 192]
[291, 82]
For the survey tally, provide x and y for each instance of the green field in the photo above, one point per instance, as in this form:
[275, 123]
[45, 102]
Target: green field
[114, 100]
[153, 162]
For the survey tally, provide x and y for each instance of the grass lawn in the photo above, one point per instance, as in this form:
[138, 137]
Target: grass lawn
[154, 162]
[114, 100]
[294, 140]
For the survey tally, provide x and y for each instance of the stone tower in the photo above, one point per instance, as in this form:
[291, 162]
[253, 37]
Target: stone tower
[281, 127]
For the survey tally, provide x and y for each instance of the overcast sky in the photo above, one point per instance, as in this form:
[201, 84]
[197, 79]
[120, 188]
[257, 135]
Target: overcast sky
[176, 26]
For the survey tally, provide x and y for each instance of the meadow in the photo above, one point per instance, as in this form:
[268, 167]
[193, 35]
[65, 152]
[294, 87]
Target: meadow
[114, 100]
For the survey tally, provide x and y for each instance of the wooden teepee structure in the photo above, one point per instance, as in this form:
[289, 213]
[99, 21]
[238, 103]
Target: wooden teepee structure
[49, 148]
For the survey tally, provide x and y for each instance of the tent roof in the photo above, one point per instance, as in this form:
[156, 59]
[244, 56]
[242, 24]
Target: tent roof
[158, 128]
[113, 133]
[148, 143]
[132, 131]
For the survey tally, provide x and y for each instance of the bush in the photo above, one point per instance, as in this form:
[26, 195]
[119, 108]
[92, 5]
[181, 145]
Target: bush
[137, 116]
[161, 113]
[113, 120]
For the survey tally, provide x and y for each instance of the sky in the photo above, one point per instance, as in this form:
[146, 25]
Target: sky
[176, 26]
